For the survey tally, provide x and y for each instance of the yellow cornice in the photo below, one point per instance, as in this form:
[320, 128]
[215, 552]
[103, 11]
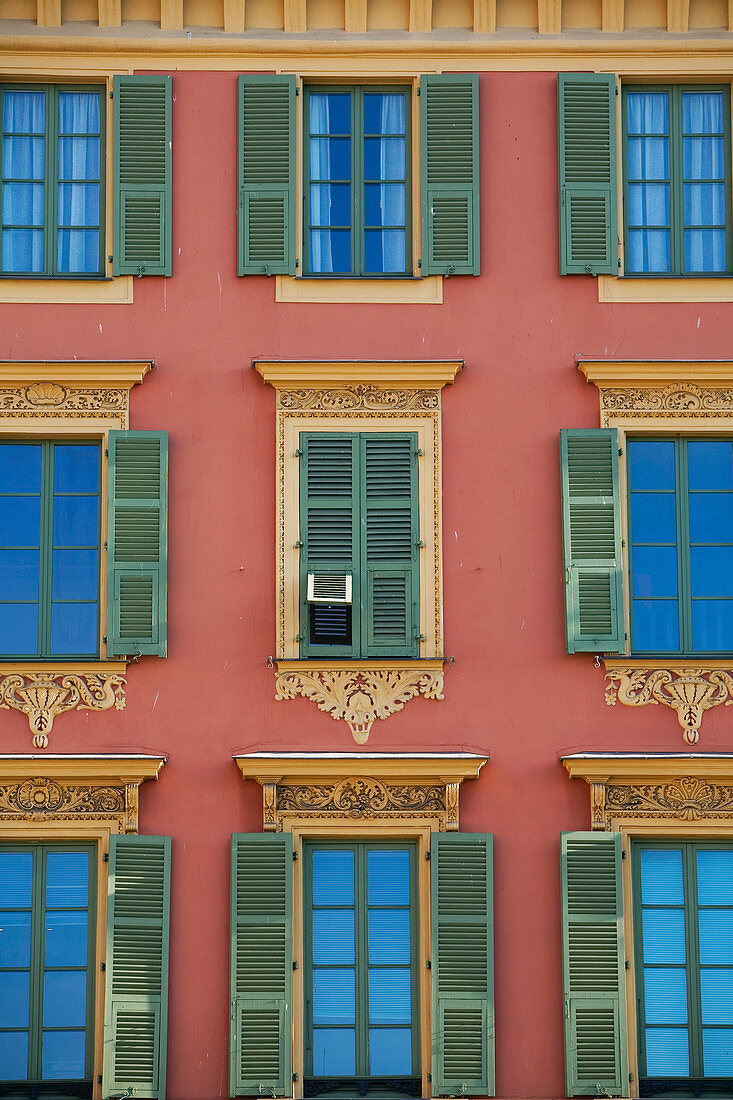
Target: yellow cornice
[324, 767]
[614, 664]
[632, 767]
[132, 768]
[62, 668]
[622, 373]
[117, 374]
[314, 374]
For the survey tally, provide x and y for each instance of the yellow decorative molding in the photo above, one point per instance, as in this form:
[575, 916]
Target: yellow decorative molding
[662, 395]
[688, 691]
[117, 291]
[58, 789]
[549, 16]
[321, 374]
[612, 16]
[379, 787]
[678, 16]
[427, 291]
[359, 692]
[663, 792]
[43, 695]
[54, 393]
[656, 372]
[617, 290]
[122, 374]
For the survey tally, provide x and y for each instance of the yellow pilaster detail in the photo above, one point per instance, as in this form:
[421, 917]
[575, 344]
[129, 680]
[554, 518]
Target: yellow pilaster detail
[171, 15]
[48, 13]
[234, 16]
[678, 16]
[612, 15]
[549, 16]
[421, 15]
[484, 16]
[355, 16]
[109, 13]
[730, 15]
[295, 17]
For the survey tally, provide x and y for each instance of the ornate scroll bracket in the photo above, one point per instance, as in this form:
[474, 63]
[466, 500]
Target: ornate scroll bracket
[43, 696]
[359, 695]
[688, 691]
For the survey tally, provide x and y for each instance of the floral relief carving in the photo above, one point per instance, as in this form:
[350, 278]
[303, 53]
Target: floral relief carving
[360, 696]
[688, 799]
[362, 396]
[682, 398]
[361, 797]
[50, 399]
[42, 697]
[34, 798]
[689, 692]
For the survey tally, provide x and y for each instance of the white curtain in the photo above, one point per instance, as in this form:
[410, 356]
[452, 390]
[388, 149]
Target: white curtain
[391, 167]
[78, 187]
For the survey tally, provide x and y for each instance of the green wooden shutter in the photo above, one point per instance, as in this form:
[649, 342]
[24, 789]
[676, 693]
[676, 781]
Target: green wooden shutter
[142, 175]
[137, 543]
[462, 964]
[136, 982]
[261, 965]
[450, 174]
[389, 544]
[591, 510]
[593, 965]
[266, 175]
[587, 168]
[329, 489]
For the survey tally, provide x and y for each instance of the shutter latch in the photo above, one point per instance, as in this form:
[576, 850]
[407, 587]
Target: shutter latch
[429, 964]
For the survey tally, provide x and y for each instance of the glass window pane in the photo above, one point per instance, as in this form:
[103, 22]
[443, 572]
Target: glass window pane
[14, 1055]
[389, 877]
[24, 112]
[647, 112]
[384, 204]
[703, 158]
[63, 1055]
[330, 250]
[711, 572]
[649, 204]
[654, 572]
[79, 204]
[661, 876]
[19, 629]
[663, 936]
[384, 113]
[16, 880]
[667, 1052]
[711, 517]
[15, 939]
[710, 465]
[648, 158]
[15, 988]
[24, 158]
[704, 203]
[390, 1051]
[716, 990]
[75, 468]
[390, 1000]
[75, 521]
[333, 878]
[77, 250]
[330, 158]
[705, 250]
[702, 112]
[20, 468]
[23, 204]
[716, 935]
[73, 628]
[330, 113]
[384, 158]
[649, 250]
[19, 571]
[75, 574]
[20, 521]
[717, 1051]
[333, 936]
[334, 996]
[334, 1052]
[66, 939]
[330, 204]
[389, 936]
[714, 877]
[78, 158]
[651, 465]
[384, 250]
[22, 250]
[67, 880]
[665, 996]
[64, 998]
[654, 517]
[79, 112]
[712, 625]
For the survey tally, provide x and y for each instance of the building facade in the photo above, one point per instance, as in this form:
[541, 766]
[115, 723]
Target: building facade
[366, 532]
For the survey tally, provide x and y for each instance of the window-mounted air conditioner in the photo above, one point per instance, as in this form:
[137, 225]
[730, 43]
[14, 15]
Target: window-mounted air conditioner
[329, 588]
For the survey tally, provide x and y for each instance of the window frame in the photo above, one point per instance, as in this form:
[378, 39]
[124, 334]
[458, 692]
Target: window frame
[675, 91]
[50, 221]
[356, 92]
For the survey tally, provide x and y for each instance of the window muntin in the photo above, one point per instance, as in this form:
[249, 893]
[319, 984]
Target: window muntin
[357, 186]
[677, 180]
[361, 936]
[46, 962]
[681, 545]
[684, 936]
[49, 548]
[52, 199]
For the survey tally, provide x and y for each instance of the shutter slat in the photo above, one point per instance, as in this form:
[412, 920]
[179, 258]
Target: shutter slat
[592, 540]
[136, 997]
[266, 175]
[261, 964]
[593, 964]
[137, 543]
[587, 169]
[462, 964]
[142, 175]
[450, 174]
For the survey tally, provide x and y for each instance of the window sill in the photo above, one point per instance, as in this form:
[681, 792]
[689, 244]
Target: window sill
[617, 289]
[428, 291]
[117, 291]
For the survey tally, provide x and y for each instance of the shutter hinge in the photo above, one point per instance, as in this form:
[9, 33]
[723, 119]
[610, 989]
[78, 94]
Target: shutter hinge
[616, 90]
[623, 853]
[420, 544]
[104, 639]
[105, 857]
[295, 1076]
[620, 452]
[295, 964]
[298, 544]
[111, 96]
[299, 637]
[106, 452]
[427, 855]
[298, 453]
[430, 1077]
[429, 965]
[419, 637]
[627, 964]
[631, 1077]
[297, 92]
[418, 92]
[418, 453]
[99, 1075]
[110, 259]
[295, 856]
[106, 545]
[103, 966]
[419, 263]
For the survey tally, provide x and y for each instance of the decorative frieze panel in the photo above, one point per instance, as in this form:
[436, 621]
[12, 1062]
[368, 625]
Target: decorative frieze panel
[70, 393]
[342, 399]
[46, 399]
[684, 399]
[687, 691]
[43, 696]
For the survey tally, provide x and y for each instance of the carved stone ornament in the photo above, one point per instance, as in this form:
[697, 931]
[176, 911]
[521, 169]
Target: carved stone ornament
[346, 398]
[684, 399]
[43, 696]
[689, 692]
[74, 403]
[359, 696]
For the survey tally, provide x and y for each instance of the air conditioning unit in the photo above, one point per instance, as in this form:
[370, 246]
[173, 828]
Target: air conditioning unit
[329, 588]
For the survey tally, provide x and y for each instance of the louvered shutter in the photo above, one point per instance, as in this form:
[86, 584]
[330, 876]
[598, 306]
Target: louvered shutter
[450, 174]
[592, 540]
[593, 965]
[462, 964]
[137, 543]
[266, 175]
[587, 169]
[389, 550]
[142, 175]
[329, 489]
[136, 981]
[261, 964]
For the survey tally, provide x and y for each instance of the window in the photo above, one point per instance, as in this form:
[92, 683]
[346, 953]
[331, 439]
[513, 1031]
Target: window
[677, 191]
[52, 166]
[683, 939]
[47, 936]
[359, 575]
[361, 979]
[52, 180]
[681, 544]
[357, 188]
[357, 183]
